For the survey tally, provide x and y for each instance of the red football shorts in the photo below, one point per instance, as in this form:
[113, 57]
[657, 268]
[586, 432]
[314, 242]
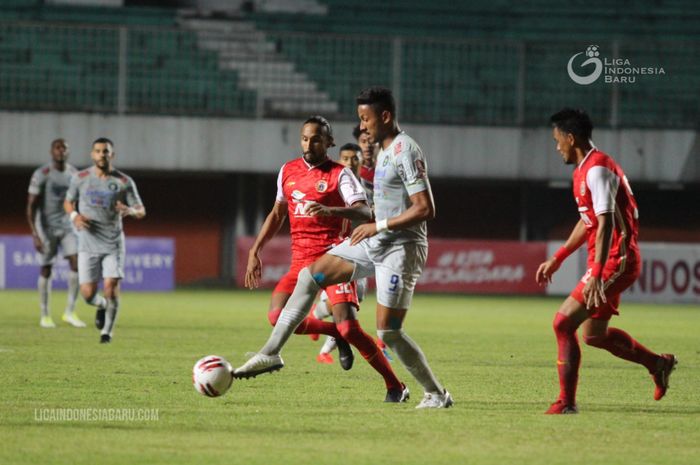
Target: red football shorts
[337, 293]
[617, 276]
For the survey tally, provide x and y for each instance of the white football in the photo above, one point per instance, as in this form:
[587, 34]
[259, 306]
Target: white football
[212, 376]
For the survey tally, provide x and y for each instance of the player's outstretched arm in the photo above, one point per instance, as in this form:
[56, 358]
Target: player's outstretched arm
[269, 229]
[358, 211]
[422, 209]
[32, 206]
[544, 272]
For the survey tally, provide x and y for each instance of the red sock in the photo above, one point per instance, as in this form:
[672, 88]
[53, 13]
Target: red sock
[622, 345]
[351, 331]
[568, 358]
[312, 325]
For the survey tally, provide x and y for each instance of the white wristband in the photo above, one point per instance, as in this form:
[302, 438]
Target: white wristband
[73, 215]
[382, 225]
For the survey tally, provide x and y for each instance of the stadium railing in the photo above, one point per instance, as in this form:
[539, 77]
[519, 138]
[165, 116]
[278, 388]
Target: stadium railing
[167, 70]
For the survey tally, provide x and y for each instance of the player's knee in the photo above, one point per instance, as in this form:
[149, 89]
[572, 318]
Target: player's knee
[594, 341]
[88, 292]
[274, 315]
[308, 278]
[348, 328]
[389, 336]
[45, 272]
[562, 324]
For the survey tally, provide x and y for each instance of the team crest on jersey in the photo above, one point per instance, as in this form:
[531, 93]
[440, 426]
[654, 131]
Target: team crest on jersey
[321, 185]
[582, 189]
[113, 187]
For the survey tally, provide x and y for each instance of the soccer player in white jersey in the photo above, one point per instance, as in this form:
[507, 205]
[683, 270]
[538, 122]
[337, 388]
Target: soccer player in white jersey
[394, 249]
[51, 229]
[97, 200]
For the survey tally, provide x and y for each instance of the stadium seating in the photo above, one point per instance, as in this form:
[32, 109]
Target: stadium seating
[498, 61]
[483, 62]
[60, 66]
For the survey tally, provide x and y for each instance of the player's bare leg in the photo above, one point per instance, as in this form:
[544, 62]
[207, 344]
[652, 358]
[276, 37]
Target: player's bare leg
[389, 329]
[596, 333]
[91, 297]
[44, 287]
[68, 314]
[111, 290]
[325, 271]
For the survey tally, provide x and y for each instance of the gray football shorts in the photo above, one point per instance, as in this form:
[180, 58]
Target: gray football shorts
[92, 267]
[68, 243]
[396, 268]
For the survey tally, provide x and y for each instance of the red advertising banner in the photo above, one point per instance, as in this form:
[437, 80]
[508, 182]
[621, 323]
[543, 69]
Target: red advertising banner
[276, 258]
[486, 267]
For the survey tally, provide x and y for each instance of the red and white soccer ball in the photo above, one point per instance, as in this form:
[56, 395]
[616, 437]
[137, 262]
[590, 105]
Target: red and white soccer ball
[212, 376]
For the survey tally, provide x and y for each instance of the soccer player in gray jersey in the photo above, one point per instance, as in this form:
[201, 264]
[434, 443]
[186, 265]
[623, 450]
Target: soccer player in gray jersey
[394, 249]
[51, 228]
[97, 200]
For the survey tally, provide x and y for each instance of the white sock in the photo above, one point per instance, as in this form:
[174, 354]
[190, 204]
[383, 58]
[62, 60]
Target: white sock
[293, 313]
[328, 346]
[110, 316]
[321, 309]
[412, 357]
[73, 288]
[44, 287]
[97, 301]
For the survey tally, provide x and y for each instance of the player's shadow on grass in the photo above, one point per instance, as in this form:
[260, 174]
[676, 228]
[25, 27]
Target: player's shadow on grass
[636, 408]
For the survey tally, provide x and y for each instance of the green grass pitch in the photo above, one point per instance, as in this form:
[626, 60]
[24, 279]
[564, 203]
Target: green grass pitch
[495, 354]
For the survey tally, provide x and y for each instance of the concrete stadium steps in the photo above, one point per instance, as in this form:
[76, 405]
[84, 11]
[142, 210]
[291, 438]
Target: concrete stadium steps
[241, 47]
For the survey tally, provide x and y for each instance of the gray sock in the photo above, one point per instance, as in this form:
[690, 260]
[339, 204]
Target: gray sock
[43, 285]
[321, 309]
[412, 357]
[293, 313]
[73, 288]
[329, 345]
[97, 301]
[111, 316]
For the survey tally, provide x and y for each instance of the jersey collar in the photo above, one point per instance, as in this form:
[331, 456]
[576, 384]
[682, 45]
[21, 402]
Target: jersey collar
[309, 166]
[586, 157]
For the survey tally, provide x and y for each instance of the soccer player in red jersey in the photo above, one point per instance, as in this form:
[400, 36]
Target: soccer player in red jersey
[609, 226]
[369, 157]
[319, 194]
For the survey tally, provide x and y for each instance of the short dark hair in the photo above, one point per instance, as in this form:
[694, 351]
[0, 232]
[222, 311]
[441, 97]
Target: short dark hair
[379, 98]
[350, 146]
[575, 122]
[356, 132]
[103, 140]
[321, 121]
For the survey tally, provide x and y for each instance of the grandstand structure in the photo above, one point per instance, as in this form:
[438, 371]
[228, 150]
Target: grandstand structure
[204, 105]
[467, 63]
